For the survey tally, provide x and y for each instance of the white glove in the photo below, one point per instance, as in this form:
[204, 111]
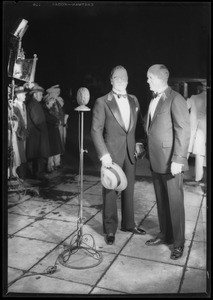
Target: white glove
[176, 168]
[106, 161]
[139, 150]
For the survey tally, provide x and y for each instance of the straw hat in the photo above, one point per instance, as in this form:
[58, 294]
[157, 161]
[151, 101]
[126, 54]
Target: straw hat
[113, 178]
[20, 89]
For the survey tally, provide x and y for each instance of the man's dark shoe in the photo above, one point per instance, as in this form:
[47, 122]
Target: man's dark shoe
[135, 230]
[110, 238]
[155, 242]
[177, 253]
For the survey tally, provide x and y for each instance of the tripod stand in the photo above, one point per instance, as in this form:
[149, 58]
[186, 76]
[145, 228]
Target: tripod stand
[79, 240]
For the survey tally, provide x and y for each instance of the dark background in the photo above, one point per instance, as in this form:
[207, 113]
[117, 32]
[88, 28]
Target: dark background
[79, 42]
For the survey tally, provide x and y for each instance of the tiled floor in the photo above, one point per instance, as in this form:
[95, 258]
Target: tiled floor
[41, 228]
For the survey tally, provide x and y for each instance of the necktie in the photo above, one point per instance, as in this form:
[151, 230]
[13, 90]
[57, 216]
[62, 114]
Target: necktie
[120, 95]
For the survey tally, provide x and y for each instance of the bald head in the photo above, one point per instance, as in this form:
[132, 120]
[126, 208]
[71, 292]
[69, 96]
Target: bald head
[157, 78]
[160, 71]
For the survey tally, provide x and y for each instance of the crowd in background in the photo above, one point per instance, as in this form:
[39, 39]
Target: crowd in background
[36, 130]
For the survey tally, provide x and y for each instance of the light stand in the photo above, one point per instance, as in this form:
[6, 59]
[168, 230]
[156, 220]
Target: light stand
[17, 54]
[79, 240]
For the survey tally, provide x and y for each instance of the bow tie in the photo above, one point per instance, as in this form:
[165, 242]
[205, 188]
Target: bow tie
[155, 95]
[120, 95]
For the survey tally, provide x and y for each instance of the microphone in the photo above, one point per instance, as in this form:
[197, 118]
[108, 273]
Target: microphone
[83, 96]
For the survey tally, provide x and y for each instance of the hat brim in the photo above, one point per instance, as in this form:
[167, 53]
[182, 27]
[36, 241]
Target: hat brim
[22, 92]
[113, 178]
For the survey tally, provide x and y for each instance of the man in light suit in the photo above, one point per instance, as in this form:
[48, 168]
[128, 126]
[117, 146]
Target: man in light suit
[168, 135]
[113, 128]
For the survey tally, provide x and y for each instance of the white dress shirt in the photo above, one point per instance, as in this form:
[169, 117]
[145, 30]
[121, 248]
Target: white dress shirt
[124, 108]
[22, 108]
[152, 106]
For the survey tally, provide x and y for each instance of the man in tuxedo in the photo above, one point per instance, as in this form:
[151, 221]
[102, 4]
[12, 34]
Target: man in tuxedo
[168, 135]
[113, 129]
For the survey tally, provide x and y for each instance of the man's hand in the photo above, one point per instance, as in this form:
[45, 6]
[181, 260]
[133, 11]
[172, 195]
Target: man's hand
[139, 150]
[176, 168]
[106, 161]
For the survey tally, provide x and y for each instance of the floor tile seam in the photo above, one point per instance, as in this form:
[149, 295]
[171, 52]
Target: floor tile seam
[16, 269]
[48, 253]
[92, 185]
[65, 221]
[30, 274]
[43, 203]
[152, 260]
[119, 252]
[147, 214]
[38, 200]
[30, 238]
[196, 268]
[110, 290]
[190, 247]
[36, 219]
[32, 216]
[15, 194]
[98, 211]
[45, 217]
[12, 204]
[109, 266]
[49, 242]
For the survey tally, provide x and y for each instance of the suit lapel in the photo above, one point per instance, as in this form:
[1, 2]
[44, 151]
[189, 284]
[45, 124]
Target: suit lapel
[111, 102]
[159, 106]
[132, 112]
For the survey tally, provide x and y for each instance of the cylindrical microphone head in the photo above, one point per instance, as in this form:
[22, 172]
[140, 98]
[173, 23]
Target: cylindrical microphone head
[83, 96]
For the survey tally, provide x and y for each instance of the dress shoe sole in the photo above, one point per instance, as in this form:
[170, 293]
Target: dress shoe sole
[135, 232]
[155, 244]
[176, 257]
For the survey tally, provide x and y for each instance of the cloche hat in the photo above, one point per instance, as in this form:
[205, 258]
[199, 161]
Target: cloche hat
[36, 89]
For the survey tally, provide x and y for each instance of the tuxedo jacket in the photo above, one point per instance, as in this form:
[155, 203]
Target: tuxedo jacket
[168, 133]
[108, 131]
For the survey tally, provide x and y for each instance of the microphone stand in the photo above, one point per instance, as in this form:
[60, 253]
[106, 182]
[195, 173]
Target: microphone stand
[80, 238]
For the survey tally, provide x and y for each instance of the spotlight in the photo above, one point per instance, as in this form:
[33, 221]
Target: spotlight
[20, 28]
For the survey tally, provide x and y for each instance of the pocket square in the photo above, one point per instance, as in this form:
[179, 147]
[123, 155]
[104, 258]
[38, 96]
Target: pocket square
[136, 108]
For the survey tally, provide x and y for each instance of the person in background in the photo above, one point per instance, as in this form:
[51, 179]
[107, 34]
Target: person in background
[168, 134]
[53, 121]
[14, 160]
[63, 123]
[54, 92]
[197, 145]
[21, 133]
[113, 128]
[37, 143]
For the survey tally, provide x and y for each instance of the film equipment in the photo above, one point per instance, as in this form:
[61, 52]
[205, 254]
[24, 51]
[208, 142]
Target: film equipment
[24, 70]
